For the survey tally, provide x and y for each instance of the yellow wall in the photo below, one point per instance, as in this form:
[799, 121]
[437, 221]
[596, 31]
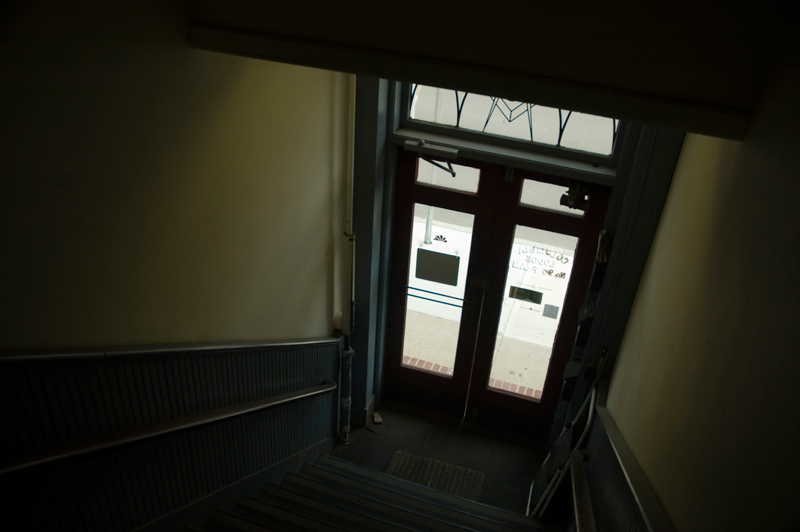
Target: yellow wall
[706, 389]
[156, 193]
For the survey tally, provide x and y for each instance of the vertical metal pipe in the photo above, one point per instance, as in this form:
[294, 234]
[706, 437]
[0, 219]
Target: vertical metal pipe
[429, 226]
[346, 396]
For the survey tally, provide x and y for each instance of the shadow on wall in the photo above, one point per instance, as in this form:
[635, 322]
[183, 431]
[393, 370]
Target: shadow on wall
[704, 389]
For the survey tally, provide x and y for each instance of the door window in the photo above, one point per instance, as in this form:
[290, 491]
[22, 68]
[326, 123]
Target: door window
[536, 285]
[484, 290]
[546, 196]
[464, 180]
[440, 250]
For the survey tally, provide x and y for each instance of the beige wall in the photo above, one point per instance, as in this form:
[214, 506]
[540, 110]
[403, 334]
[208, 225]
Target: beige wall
[155, 193]
[706, 389]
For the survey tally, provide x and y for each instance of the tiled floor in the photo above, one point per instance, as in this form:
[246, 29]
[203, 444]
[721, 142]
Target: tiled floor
[518, 367]
[430, 367]
[508, 466]
[497, 384]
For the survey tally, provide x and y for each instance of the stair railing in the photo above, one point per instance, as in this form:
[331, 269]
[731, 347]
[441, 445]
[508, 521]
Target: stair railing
[153, 430]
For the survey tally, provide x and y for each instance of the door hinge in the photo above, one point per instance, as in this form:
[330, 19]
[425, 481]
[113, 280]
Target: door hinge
[586, 312]
[509, 174]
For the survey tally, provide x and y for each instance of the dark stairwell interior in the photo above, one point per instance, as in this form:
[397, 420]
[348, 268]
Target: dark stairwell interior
[508, 464]
[136, 210]
[152, 440]
[337, 495]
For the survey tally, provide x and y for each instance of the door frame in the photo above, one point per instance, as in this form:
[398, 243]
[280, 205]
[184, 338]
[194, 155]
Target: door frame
[488, 407]
[640, 183]
[415, 387]
[497, 212]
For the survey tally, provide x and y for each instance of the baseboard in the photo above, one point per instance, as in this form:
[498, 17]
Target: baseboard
[198, 512]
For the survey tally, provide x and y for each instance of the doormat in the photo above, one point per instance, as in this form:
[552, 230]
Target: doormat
[438, 475]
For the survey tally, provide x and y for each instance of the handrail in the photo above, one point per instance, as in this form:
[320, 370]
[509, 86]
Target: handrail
[653, 513]
[584, 517]
[128, 436]
[44, 355]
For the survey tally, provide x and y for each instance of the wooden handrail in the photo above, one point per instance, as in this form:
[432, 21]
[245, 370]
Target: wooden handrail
[137, 434]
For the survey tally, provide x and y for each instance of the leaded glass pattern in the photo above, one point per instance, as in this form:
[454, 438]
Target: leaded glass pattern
[517, 120]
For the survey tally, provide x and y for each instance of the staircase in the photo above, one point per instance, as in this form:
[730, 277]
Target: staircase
[334, 495]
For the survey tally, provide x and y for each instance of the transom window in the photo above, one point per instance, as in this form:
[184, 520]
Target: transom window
[500, 117]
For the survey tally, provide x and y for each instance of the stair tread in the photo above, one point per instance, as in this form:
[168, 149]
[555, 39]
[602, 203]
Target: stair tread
[263, 514]
[343, 496]
[335, 495]
[417, 502]
[355, 515]
[474, 507]
[226, 521]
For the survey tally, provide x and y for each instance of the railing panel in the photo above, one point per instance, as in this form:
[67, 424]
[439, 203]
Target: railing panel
[53, 402]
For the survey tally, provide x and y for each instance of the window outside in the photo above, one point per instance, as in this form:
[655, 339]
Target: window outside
[518, 120]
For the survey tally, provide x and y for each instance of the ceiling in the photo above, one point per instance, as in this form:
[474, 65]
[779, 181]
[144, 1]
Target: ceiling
[683, 64]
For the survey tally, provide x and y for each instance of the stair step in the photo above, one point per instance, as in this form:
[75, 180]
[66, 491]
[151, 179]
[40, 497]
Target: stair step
[223, 521]
[354, 516]
[345, 498]
[263, 513]
[452, 501]
[409, 502]
[334, 496]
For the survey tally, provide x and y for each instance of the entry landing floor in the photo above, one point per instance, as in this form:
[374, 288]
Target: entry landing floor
[508, 466]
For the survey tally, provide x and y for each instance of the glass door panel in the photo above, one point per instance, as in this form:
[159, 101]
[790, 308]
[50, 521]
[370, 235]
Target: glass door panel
[440, 244]
[545, 196]
[536, 284]
[484, 291]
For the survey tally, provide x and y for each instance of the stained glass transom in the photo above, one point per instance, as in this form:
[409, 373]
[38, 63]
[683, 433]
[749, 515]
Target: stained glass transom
[518, 120]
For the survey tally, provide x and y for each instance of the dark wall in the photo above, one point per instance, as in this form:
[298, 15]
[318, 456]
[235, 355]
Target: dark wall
[671, 63]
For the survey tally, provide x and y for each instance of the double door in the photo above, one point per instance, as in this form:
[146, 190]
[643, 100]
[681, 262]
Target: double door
[489, 270]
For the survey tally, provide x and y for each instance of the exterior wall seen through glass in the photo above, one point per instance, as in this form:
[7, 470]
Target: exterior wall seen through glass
[536, 285]
[440, 245]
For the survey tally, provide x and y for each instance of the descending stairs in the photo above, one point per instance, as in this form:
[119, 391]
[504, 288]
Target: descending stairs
[334, 495]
